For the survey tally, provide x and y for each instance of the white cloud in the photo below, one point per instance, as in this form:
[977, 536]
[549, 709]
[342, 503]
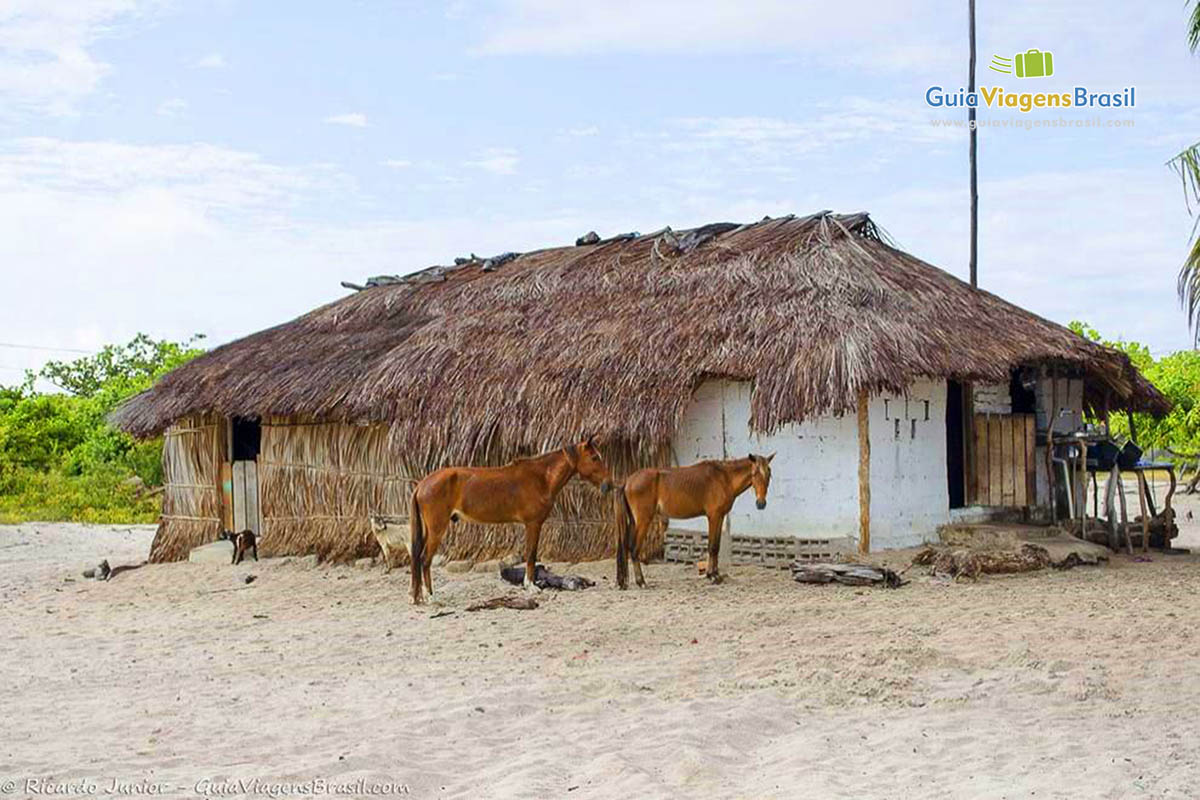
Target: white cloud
[210, 61]
[396, 163]
[496, 160]
[353, 120]
[198, 181]
[583, 130]
[172, 107]
[46, 65]
[173, 240]
[674, 26]
[1103, 246]
[887, 129]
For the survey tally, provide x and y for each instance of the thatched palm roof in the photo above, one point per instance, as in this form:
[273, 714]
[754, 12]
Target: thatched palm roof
[613, 337]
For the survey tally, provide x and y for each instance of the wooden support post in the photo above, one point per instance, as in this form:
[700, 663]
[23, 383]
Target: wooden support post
[1167, 513]
[1124, 511]
[1110, 508]
[1051, 418]
[864, 472]
[1145, 515]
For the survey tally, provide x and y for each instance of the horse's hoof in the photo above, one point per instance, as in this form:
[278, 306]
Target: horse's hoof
[532, 587]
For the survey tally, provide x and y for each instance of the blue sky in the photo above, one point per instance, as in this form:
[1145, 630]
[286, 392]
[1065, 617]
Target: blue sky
[218, 167]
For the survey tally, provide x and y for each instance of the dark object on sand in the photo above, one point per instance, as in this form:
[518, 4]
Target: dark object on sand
[508, 601]
[102, 571]
[545, 579]
[849, 574]
[242, 541]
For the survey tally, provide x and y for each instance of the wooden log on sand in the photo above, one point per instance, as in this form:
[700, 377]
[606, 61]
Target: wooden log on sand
[849, 574]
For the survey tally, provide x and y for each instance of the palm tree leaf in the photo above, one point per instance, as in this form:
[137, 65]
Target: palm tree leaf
[1187, 165]
[1193, 31]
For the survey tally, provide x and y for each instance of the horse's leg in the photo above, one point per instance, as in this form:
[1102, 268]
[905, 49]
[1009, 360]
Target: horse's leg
[532, 531]
[432, 543]
[641, 526]
[715, 523]
[434, 522]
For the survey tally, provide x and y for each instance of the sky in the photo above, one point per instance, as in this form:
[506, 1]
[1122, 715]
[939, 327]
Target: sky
[217, 167]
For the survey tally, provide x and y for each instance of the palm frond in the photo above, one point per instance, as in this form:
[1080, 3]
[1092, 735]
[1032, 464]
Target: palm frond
[1193, 32]
[1187, 165]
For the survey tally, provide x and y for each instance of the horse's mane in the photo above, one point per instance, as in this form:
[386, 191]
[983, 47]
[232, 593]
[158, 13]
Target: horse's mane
[721, 462]
[539, 456]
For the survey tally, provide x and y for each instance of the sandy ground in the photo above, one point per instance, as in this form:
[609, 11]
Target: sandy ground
[183, 678]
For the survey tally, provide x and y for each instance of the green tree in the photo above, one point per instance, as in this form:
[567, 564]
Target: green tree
[1178, 377]
[1187, 165]
[120, 367]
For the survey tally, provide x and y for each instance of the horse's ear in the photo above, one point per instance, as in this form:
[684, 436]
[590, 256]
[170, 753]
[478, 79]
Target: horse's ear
[770, 458]
[752, 458]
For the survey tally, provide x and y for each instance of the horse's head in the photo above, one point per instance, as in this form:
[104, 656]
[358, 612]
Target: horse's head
[760, 478]
[590, 465]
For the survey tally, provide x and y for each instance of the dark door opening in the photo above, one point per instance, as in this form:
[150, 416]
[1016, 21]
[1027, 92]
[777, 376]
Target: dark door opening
[956, 473]
[247, 439]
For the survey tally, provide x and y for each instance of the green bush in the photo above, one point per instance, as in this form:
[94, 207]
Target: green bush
[59, 458]
[101, 495]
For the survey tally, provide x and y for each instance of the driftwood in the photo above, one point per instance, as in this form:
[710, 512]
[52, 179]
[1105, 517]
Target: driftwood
[849, 574]
[545, 579]
[508, 601]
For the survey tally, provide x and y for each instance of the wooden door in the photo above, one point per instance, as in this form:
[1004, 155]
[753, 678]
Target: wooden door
[246, 513]
[1003, 466]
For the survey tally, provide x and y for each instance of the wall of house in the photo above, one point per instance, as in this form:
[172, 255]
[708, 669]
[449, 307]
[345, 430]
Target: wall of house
[814, 486]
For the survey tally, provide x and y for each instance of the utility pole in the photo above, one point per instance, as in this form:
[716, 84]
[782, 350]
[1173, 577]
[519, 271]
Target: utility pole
[973, 133]
[968, 391]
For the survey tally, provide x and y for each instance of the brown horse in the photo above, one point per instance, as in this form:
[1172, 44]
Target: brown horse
[705, 489]
[522, 491]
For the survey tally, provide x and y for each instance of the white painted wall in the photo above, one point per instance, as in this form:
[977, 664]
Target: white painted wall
[814, 486]
[910, 495]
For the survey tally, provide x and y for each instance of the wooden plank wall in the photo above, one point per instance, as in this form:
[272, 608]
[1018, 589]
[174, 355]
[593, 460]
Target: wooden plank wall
[1004, 465]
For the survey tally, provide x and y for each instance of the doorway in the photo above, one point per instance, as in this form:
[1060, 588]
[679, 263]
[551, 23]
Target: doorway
[956, 456]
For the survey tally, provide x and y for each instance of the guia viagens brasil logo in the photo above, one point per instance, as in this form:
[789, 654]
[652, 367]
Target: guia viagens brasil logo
[1032, 63]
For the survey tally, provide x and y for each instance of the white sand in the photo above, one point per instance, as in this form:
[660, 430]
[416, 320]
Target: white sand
[1076, 684]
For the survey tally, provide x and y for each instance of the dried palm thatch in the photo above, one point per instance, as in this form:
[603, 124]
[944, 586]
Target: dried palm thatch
[485, 360]
[612, 338]
[191, 512]
[319, 484]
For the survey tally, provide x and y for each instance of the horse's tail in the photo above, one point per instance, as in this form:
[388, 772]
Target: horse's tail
[625, 531]
[416, 544]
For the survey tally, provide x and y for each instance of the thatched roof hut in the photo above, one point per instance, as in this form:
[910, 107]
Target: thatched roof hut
[489, 358]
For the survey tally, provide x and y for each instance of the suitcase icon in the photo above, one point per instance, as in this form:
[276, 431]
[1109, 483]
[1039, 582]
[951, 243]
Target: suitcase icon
[1034, 63]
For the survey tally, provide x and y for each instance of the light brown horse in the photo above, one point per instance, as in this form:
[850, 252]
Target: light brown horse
[522, 491]
[704, 489]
